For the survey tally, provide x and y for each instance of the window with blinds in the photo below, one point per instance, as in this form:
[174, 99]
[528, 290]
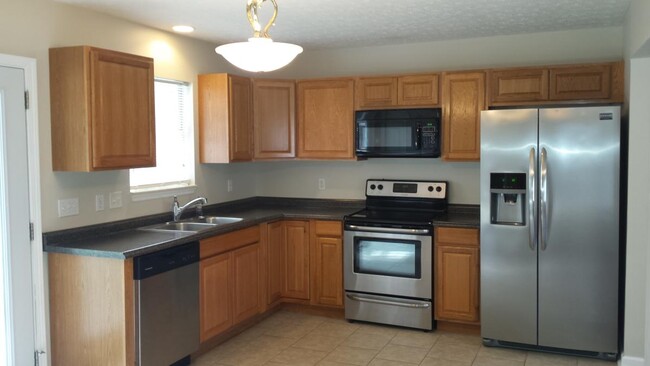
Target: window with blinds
[174, 141]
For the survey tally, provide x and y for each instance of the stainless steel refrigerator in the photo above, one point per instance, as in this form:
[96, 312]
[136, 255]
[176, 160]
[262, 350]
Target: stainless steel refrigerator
[550, 229]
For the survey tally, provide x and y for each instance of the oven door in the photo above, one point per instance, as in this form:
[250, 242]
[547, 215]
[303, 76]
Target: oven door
[388, 261]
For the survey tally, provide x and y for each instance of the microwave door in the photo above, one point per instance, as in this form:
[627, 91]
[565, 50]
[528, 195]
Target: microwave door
[387, 138]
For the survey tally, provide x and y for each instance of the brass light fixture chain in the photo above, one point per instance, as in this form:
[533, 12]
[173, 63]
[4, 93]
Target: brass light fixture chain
[252, 7]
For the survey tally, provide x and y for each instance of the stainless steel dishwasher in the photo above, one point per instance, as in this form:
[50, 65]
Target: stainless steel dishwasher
[167, 305]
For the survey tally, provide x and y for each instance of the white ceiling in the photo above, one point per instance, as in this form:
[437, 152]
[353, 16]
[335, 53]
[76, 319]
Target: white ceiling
[353, 23]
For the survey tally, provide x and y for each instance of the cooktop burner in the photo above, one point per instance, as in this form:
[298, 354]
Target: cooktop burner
[401, 203]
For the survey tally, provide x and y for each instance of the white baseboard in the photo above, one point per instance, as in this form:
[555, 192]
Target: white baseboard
[632, 361]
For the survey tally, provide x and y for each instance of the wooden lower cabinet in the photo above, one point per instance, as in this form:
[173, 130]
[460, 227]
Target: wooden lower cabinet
[275, 261]
[215, 295]
[230, 282]
[327, 263]
[296, 260]
[457, 275]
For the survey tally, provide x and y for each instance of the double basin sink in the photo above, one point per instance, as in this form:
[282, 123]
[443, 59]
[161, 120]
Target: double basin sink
[193, 225]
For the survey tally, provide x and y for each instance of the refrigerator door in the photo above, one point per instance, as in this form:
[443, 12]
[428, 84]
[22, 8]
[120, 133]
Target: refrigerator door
[508, 256]
[579, 228]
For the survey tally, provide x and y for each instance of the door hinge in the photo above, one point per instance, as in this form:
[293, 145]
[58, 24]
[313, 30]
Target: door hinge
[26, 99]
[37, 357]
[31, 231]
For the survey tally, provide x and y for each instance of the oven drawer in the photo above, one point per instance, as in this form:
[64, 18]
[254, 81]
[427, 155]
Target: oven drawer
[389, 310]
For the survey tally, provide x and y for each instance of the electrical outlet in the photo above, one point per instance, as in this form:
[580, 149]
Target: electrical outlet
[115, 199]
[321, 184]
[68, 207]
[99, 202]
[229, 185]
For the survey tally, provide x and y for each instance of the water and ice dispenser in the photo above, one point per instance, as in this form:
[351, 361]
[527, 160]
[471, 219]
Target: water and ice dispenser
[508, 198]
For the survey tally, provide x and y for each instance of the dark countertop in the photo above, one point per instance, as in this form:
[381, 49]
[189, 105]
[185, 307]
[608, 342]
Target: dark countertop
[124, 239]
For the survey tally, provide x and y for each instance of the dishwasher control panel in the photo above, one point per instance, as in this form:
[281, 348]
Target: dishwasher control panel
[165, 260]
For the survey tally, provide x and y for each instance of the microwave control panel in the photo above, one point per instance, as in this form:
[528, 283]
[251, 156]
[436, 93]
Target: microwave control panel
[429, 133]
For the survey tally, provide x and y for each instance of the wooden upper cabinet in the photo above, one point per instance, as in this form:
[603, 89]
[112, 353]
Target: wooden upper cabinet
[326, 119]
[376, 92]
[274, 118]
[102, 105]
[583, 82]
[418, 90]
[518, 85]
[457, 275]
[225, 118]
[463, 99]
[397, 91]
[600, 83]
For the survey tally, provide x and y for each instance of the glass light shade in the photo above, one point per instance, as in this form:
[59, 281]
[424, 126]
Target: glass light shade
[259, 54]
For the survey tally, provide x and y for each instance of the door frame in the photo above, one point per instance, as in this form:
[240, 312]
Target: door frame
[28, 65]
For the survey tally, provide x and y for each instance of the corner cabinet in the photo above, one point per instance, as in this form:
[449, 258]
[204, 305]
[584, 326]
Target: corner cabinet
[225, 118]
[325, 119]
[102, 106]
[457, 275]
[274, 119]
[463, 99]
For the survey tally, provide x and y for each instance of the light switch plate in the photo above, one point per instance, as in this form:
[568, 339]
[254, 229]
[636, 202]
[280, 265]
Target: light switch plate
[99, 202]
[321, 184]
[229, 185]
[68, 207]
[115, 199]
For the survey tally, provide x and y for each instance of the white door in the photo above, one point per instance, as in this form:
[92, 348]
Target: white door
[16, 302]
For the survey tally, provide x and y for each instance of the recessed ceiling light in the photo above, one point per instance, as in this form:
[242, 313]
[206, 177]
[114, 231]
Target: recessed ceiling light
[183, 28]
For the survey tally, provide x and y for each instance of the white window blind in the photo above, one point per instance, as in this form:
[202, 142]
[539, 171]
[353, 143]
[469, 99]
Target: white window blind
[174, 141]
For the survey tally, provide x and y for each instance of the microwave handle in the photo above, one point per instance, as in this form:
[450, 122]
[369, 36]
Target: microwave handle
[418, 138]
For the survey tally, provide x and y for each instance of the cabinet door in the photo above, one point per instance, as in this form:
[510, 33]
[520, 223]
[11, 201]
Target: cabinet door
[274, 119]
[463, 99]
[241, 119]
[215, 295]
[296, 267]
[581, 82]
[122, 110]
[276, 260]
[518, 85]
[376, 92]
[245, 263]
[457, 296]
[328, 272]
[326, 119]
[418, 90]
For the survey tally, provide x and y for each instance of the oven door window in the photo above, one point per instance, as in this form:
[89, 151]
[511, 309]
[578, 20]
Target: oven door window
[395, 258]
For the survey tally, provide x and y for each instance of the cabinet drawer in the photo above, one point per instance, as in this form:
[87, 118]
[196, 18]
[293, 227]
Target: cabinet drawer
[457, 236]
[328, 228]
[226, 242]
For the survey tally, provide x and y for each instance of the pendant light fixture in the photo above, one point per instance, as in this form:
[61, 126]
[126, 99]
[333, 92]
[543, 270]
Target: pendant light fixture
[260, 53]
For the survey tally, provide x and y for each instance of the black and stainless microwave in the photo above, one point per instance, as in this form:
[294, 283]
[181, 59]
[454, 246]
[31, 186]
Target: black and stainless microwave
[398, 133]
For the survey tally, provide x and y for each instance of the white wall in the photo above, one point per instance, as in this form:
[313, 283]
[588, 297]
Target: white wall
[30, 27]
[637, 304]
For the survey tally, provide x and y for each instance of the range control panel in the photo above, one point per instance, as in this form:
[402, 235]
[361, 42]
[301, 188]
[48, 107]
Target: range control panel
[404, 188]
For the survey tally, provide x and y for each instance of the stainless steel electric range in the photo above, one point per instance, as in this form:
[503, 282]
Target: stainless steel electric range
[388, 253]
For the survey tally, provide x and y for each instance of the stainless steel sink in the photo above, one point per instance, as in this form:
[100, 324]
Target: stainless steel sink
[193, 225]
[180, 226]
[218, 220]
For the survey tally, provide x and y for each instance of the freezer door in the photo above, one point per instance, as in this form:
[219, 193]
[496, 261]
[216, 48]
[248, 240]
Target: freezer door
[508, 256]
[579, 228]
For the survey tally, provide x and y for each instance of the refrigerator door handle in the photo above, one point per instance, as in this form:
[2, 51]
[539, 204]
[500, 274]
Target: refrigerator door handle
[532, 223]
[543, 190]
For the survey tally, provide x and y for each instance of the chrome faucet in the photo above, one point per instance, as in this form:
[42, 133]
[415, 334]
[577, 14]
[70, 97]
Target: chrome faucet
[198, 202]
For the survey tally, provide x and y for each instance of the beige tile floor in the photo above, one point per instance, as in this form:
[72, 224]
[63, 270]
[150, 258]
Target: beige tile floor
[287, 338]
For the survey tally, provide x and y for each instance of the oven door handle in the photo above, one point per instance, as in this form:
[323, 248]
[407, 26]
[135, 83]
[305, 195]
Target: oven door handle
[417, 305]
[390, 230]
